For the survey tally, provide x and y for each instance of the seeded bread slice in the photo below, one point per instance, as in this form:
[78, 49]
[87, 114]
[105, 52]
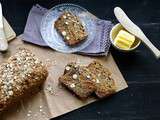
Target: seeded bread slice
[71, 29]
[85, 80]
[78, 79]
[20, 76]
[105, 85]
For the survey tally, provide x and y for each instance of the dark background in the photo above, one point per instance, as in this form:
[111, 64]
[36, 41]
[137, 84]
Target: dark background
[141, 101]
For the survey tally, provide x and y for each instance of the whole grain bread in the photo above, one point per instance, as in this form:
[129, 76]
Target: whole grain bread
[75, 79]
[85, 80]
[105, 85]
[20, 75]
[71, 28]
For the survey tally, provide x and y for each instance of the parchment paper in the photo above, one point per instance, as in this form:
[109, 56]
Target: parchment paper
[46, 104]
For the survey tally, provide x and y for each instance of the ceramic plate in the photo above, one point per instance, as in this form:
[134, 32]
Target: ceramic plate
[54, 39]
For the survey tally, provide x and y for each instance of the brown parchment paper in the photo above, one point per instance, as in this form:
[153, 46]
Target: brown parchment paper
[45, 104]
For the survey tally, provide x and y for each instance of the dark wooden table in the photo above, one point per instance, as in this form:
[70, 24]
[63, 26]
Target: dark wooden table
[141, 101]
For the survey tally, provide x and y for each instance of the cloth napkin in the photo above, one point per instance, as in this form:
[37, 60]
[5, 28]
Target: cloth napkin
[99, 46]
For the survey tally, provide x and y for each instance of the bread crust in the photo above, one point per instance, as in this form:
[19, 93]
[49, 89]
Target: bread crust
[19, 76]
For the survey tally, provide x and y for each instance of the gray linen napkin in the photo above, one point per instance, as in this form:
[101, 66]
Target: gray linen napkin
[99, 46]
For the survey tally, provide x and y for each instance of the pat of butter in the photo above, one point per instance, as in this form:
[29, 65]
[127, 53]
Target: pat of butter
[124, 39]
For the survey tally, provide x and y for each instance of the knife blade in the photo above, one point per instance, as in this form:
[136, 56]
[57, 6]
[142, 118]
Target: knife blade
[3, 41]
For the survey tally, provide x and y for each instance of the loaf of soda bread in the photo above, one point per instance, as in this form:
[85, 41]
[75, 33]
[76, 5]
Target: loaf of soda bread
[86, 80]
[71, 28]
[22, 74]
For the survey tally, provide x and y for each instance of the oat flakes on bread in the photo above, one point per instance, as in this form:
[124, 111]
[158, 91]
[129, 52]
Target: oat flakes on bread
[22, 74]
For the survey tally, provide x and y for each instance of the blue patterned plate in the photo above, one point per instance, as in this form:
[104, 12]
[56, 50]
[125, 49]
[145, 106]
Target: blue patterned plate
[54, 39]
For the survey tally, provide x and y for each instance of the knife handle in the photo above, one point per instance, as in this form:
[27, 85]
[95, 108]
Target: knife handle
[3, 40]
[148, 43]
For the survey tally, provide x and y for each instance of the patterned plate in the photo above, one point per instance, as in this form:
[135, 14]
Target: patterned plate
[54, 39]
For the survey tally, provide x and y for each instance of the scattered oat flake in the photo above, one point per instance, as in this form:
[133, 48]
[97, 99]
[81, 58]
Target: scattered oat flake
[88, 76]
[64, 33]
[28, 115]
[72, 85]
[10, 93]
[67, 38]
[97, 81]
[64, 17]
[29, 111]
[68, 68]
[50, 89]
[66, 23]
[75, 76]
[49, 62]
[76, 65]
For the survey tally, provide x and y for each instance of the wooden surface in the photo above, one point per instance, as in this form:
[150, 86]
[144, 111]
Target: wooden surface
[140, 101]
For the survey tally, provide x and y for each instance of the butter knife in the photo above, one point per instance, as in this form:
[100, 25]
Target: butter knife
[3, 40]
[135, 30]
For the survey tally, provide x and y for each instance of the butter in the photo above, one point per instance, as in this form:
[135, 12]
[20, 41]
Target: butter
[124, 39]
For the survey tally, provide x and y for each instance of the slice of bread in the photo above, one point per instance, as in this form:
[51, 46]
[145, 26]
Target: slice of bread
[105, 85]
[76, 78]
[71, 28]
